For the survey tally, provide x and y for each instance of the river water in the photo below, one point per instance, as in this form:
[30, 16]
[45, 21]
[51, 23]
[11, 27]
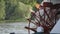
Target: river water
[18, 28]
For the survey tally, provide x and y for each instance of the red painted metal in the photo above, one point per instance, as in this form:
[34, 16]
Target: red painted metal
[48, 23]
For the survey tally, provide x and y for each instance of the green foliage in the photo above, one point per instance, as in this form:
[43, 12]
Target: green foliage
[14, 10]
[21, 11]
[28, 2]
[10, 8]
[2, 9]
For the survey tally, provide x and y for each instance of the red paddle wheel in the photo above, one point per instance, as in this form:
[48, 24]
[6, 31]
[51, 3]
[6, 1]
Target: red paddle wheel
[48, 20]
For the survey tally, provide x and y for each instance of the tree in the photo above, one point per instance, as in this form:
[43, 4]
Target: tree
[2, 10]
[10, 8]
[28, 2]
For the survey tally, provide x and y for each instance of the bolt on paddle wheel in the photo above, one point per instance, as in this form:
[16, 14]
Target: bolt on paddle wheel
[47, 19]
